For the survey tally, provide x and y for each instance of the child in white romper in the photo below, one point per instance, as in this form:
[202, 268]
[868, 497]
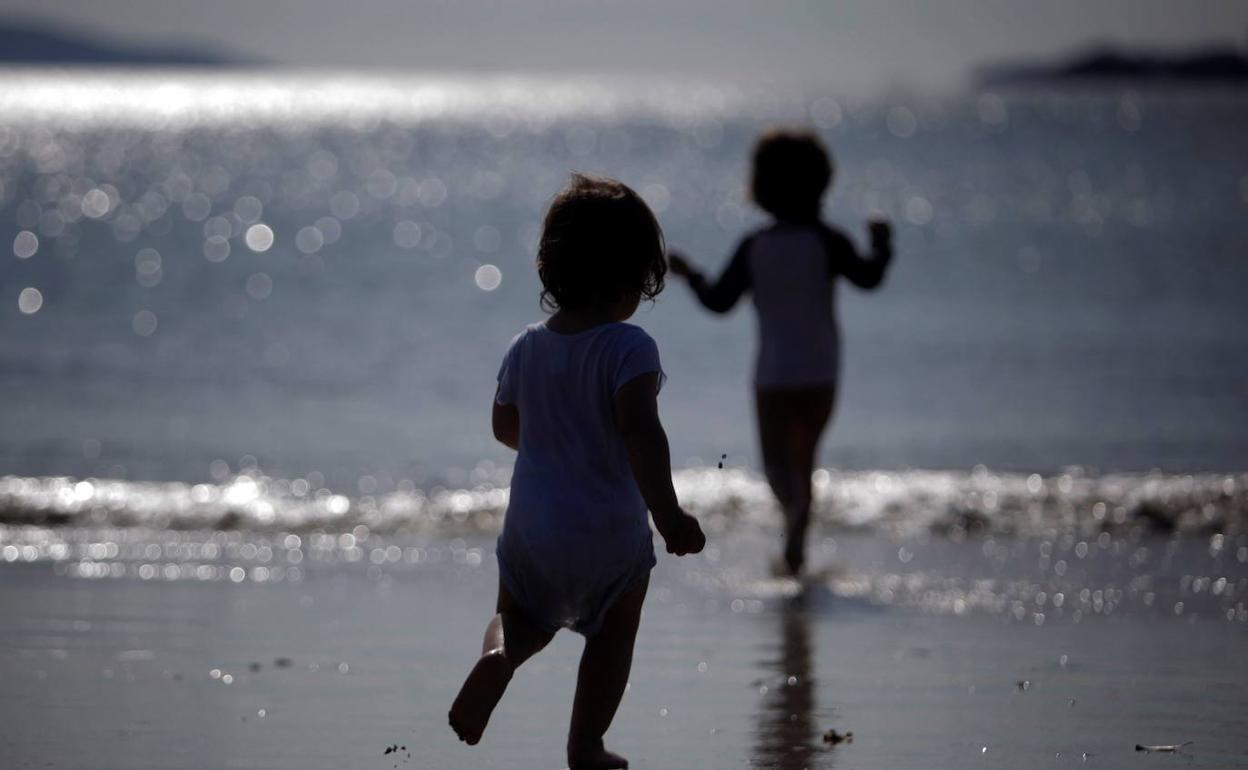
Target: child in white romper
[577, 398]
[790, 268]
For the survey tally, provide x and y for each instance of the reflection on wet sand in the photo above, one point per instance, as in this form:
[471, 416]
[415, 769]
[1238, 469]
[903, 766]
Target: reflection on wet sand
[788, 733]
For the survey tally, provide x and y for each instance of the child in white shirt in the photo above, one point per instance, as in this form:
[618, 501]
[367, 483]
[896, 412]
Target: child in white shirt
[577, 399]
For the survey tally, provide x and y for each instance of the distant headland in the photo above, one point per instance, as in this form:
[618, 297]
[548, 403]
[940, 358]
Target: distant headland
[24, 42]
[1210, 65]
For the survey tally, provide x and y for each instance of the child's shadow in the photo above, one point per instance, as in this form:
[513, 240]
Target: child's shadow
[788, 734]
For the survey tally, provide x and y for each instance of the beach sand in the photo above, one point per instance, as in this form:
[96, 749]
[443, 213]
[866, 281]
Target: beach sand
[732, 670]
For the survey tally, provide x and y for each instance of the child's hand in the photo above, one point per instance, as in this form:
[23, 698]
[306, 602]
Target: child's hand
[881, 231]
[682, 533]
[679, 264]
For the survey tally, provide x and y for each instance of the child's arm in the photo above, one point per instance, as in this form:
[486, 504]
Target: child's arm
[506, 421]
[865, 273]
[720, 296]
[637, 418]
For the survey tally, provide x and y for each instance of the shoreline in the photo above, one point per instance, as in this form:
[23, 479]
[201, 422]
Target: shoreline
[355, 657]
[906, 502]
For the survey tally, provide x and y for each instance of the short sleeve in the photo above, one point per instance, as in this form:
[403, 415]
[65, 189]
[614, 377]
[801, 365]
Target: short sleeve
[508, 376]
[640, 355]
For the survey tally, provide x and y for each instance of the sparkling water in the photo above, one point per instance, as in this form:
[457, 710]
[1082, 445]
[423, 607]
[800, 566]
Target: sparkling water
[312, 279]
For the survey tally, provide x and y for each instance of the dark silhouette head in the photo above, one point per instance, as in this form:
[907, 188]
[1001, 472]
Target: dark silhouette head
[600, 243]
[791, 171]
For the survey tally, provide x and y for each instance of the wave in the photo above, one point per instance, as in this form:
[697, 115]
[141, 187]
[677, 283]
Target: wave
[950, 504]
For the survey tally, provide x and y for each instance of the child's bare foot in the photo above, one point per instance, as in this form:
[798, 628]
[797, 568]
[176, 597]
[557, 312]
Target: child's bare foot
[786, 566]
[482, 689]
[795, 555]
[595, 758]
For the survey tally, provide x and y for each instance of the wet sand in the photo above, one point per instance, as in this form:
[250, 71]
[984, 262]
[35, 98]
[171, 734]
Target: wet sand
[352, 660]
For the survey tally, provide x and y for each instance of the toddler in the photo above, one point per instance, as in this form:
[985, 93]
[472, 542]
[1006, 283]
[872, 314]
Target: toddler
[791, 267]
[577, 399]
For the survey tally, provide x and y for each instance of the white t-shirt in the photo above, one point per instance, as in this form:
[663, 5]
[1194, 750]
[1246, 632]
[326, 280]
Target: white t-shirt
[572, 490]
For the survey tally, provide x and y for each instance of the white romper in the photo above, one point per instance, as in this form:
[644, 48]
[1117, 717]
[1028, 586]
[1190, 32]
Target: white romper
[791, 270]
[576, 534]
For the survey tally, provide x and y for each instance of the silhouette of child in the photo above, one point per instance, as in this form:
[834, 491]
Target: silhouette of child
[577, 398]
[790, 267]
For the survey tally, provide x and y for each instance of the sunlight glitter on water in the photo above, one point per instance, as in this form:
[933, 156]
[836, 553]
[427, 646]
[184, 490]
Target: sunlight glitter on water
[1083, 512]
[1012, 580]
[1024, 548]
[164, 99]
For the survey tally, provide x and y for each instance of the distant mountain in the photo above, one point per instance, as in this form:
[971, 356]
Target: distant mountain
[34, 43]
[1204, 65]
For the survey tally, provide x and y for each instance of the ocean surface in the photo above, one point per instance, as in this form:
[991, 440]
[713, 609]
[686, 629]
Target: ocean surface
[249, 329]
[309, 280]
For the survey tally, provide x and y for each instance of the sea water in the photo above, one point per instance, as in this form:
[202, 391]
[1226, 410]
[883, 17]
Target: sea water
[276, 303]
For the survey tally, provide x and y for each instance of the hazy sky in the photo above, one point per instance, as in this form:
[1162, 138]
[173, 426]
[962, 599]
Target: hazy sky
[832, 42]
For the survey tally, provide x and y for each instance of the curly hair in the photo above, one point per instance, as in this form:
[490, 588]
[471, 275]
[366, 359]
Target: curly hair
[791, 171]
[600, 242]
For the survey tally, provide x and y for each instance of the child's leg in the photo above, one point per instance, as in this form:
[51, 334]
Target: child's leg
[605, 665]
[509, 641]
[809, 415]
[773, 440]
[790, 424]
